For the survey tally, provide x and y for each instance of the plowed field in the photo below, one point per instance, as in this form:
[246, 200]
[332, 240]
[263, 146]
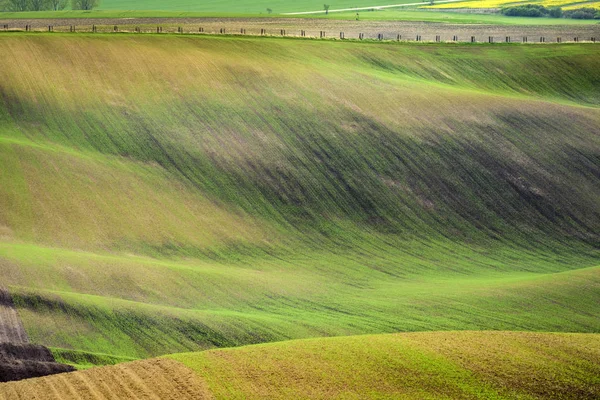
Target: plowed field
[152, 379]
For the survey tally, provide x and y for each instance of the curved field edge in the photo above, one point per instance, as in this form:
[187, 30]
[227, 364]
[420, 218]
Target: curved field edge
[435, 365]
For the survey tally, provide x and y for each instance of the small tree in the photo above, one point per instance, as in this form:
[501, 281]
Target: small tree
[431, 2]
[84, 4]
[326, 8]
[555, 12]
[269, 11]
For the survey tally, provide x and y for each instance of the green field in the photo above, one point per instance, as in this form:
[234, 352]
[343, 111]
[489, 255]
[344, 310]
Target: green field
[253, 7]
[161, 194]
[399, 14]
[244, 7]
[448, 365]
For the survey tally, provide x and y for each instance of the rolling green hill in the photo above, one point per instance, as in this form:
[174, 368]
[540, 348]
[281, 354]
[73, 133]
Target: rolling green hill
[161, 194]
[433, 365]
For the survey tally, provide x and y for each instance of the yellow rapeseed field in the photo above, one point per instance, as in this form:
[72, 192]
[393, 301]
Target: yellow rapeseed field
[566, 4]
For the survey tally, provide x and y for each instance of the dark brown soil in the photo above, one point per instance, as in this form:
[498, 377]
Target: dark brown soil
[25, 352]
[25, 369]
[23, 361]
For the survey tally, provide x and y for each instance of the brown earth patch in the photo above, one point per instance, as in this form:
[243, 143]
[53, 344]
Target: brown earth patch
[292, 26]
[24, 361]
[149, 379]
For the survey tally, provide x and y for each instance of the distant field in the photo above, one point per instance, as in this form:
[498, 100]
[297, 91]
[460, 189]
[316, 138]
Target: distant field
[256, 7]
[435, 14]
[426, 14]
[436, 365]
[161, 194]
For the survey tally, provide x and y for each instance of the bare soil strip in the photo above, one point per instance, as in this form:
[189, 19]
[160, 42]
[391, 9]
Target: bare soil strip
[11, 327]
[25, 352]
[313, 28]
[149, 379]
[26, 369]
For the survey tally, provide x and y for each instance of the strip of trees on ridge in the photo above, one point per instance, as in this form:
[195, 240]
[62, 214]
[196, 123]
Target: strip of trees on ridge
[46, 5]
[536, 10]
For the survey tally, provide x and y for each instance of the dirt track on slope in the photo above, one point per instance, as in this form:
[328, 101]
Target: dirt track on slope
[313, 27]
[11, 327]
[149, 379]
[18, 358]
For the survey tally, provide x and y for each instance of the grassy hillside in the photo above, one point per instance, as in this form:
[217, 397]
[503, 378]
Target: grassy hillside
[165, 194]
[450, 365]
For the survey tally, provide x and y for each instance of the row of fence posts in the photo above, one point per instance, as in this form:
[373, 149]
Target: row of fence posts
[322, 34]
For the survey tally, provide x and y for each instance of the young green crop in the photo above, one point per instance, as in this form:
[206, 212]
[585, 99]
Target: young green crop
[436, 365]
[176, 193]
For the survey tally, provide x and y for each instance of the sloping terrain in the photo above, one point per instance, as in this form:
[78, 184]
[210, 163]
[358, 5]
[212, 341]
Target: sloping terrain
[161, 194]
[438, 365]
[431, 365]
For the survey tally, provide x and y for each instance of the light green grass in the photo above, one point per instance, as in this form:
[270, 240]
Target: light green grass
[127, 14]
[229, 7]
[400, 14]
[245, 7]
[175, 193]
[84, 360]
